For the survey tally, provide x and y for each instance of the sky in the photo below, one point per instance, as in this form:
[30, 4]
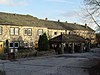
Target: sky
[64, 10]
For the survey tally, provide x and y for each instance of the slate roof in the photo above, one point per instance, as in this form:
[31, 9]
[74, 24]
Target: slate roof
[17, 19]
[74, 26]
[28, 20]
[50, 24]
[67, 39]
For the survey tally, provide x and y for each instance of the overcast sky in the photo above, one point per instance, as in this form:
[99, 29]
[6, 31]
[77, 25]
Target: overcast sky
[64, 10]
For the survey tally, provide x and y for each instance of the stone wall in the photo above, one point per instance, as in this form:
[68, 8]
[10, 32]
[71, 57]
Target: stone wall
[51, 32]
[21, 37]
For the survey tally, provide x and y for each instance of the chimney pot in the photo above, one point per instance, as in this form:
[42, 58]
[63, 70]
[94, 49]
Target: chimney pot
[66, 22]
[46, 19]
[85, 25]
[74, 23]
[58, 20]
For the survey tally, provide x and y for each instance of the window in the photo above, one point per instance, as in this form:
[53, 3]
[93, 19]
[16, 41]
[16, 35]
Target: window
[26, 45]
[14, 31]
[0, 30]
[40, 31]
[74, 32]
[16, 44]
[55, 33]
[11, 31]
[11, 45]
[28, 31]
[69, 33]
[25, 31]
[62, 32]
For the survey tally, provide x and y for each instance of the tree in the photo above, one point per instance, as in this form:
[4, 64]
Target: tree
[93, 9]
[43, 43]
[40, 43]
[7, 46]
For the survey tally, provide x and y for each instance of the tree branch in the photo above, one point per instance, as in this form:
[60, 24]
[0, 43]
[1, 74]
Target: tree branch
[93, 18]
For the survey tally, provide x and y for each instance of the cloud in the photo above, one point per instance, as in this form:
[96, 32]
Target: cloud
[13, 2]
[60, 1]
[5, 1]
[71, 14]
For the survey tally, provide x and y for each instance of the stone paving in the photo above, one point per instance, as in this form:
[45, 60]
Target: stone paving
[65, 64]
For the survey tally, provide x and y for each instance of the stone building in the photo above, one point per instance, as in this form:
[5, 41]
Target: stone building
[26, 29]
[81, 30]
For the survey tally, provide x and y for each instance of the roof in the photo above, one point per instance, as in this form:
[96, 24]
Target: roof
[28, 20]
[74, 26]
[50, 24]
[17, 19]
[67, 39]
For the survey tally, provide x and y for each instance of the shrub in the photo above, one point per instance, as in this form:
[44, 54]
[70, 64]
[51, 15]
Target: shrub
[43, 43]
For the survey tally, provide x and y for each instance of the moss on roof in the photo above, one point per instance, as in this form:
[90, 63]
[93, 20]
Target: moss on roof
[28, 20]
[49, 24]
[74, 26]
[17, 19]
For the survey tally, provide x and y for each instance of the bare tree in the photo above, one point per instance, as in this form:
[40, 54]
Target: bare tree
[93, 10]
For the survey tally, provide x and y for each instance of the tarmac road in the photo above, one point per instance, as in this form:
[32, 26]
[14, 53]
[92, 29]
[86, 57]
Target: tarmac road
[65, 64]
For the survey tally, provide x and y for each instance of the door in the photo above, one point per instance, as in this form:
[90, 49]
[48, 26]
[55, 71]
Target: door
[1, 47]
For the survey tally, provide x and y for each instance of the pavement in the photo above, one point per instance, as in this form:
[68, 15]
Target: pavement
[65, 64]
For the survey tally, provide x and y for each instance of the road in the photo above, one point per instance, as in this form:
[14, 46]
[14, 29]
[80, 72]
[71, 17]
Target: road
[65, 64]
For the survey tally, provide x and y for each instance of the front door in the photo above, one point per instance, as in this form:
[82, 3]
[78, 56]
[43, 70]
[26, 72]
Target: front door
[1, 47]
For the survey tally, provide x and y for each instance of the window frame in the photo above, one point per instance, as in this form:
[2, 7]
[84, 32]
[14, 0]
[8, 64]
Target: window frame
[17, 31]
[39, 32]
[69, 33]
[55, 33]
[1, 30]
[11, 45]
[15, 44]
[25, 31]
[28, 31]
[13, 32]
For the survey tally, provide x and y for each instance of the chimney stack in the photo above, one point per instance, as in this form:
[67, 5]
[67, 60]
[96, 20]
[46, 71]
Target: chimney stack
[75, 23]
[46, 18]
[85, 25]
[58, 20]
[66, 22]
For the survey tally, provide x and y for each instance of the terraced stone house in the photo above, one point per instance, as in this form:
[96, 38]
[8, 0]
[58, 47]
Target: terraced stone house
[26, 29]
